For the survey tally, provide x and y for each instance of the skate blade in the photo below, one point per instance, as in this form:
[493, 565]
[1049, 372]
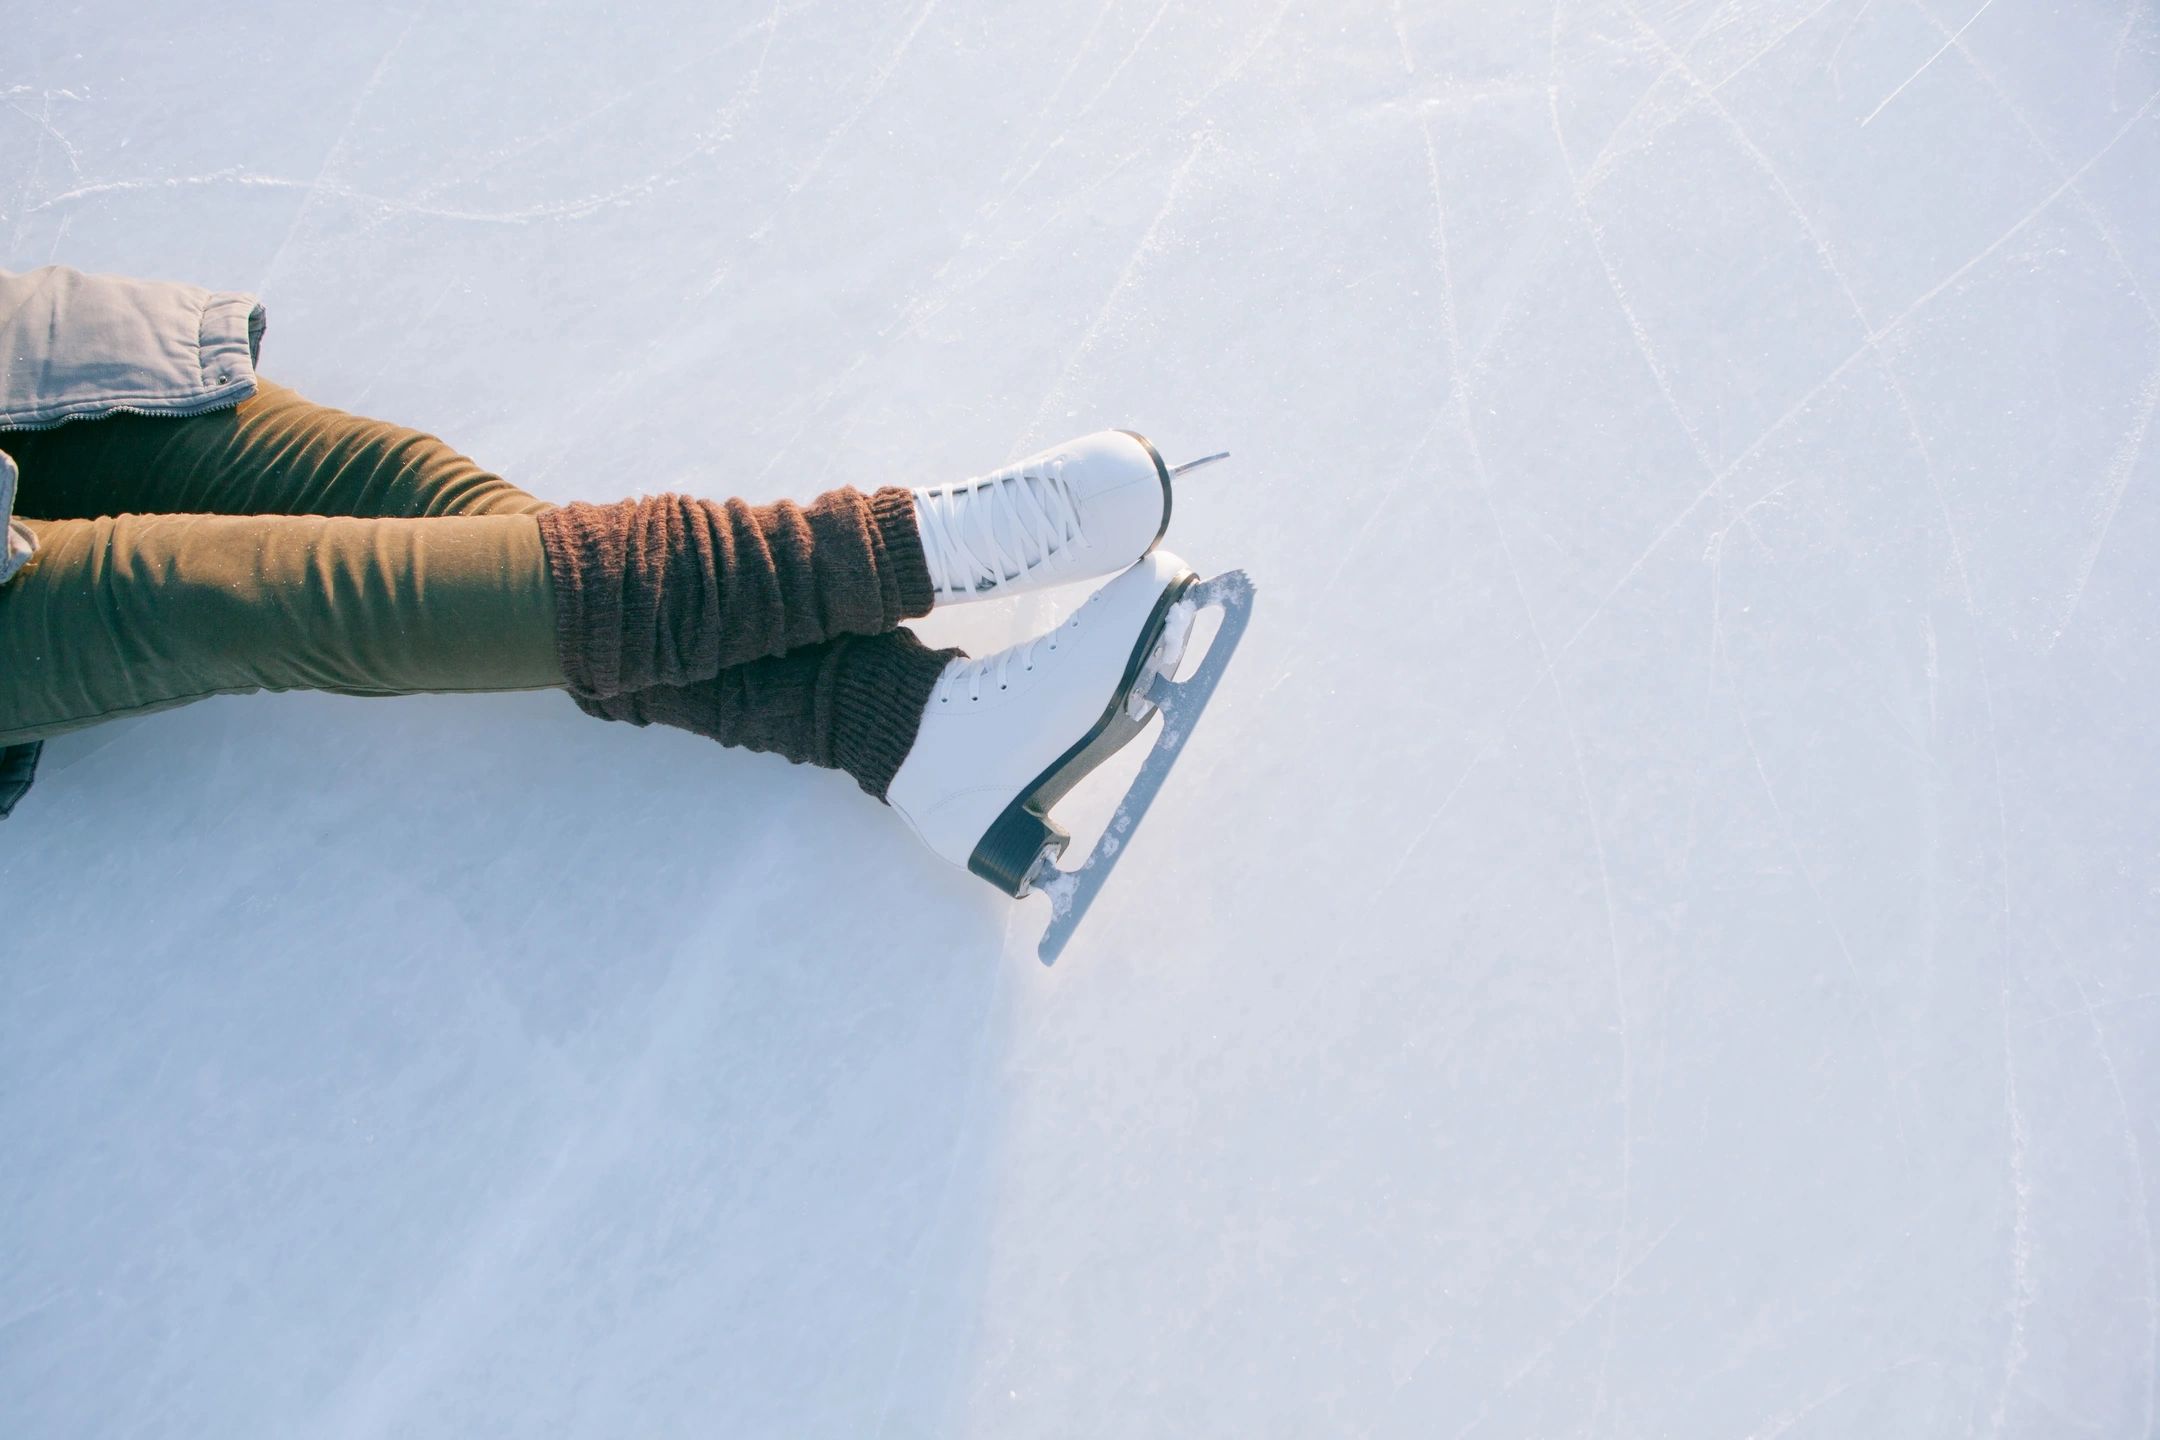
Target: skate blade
[1072, 892]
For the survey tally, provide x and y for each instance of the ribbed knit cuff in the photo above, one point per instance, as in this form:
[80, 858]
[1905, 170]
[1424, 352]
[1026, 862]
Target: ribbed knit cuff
[671, 589]
[903, 564]
[870, 704]
[583, 564]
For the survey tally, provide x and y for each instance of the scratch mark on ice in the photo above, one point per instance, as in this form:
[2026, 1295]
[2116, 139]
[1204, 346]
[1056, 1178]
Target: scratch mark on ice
[2134, 12]
[1621, 1016]
[1822, 906]
[1785, 1422]
[1606, 160]
[1537, 1356]
[1815, 238]
[1046, 105]
[1402, 39]
[2093, 215]
[1650, 356]
[936, 293]
[978, 1081]
[863, 102]
[43, 120]
[1058, 142]
[1150, 243]
[1846, 39]
[1926, 64]
[1913, 430]
[2118, 481]
[1837, 372]
[248, 179]
[2139, 1203]
[1776, 44]
[1611, 152]
[2135, 436]
[2015, 1349]
[337, 149]
[2090, 1008]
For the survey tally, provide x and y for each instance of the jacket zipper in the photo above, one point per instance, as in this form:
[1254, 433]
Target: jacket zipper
[55, 424]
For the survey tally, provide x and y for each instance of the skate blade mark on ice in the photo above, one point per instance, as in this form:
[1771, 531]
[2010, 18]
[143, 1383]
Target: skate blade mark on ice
[1019, 854]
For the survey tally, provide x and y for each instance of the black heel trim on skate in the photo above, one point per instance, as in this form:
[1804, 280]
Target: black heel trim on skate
[1013, 845]
[1162, 472]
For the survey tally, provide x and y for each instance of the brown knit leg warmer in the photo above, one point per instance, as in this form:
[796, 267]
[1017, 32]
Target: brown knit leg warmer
[853, 704]
[672, 590]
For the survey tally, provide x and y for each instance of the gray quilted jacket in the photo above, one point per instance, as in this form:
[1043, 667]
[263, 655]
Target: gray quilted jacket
[76, 346]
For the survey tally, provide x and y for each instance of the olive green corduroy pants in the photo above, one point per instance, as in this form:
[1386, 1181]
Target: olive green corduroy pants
[279, 546]
[284, 545]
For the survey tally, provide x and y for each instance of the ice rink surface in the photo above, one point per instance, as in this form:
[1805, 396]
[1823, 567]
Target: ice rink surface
[1656, 936]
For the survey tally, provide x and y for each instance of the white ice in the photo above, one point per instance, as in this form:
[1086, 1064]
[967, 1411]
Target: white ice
[1655, 937]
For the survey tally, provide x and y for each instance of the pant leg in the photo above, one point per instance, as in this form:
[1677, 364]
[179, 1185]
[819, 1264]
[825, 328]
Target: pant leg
[665, 592]
[274, 454]
[667, 589]
[124, 615]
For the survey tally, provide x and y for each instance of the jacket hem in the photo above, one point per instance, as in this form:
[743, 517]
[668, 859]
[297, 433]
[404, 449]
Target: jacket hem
[228, 328]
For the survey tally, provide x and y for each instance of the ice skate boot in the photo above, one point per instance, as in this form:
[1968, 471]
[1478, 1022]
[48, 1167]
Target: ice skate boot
[1003, 738]
[1085, 509]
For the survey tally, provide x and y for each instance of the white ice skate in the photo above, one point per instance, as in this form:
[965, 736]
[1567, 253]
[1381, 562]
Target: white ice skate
[1003, 738]
[1087, 508]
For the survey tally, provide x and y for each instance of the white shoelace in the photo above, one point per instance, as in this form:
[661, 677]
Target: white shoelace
[972, 676]
[982, 535]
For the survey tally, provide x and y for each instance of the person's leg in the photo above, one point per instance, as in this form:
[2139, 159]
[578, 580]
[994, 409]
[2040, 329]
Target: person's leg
[123, 615]
[667, 589]
[127, 615]
[274, 454]
[673, 589]
[661, 593]
[853, 704]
